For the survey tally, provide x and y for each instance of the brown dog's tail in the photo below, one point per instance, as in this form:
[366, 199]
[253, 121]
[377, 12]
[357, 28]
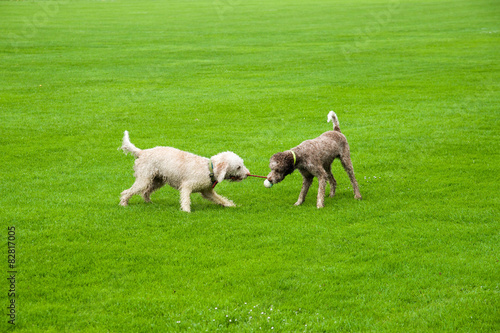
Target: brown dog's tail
[333, 118]
[128, 147]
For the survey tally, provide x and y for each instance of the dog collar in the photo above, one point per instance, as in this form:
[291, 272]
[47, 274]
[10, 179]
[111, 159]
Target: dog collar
[212, 175]
[294, 157]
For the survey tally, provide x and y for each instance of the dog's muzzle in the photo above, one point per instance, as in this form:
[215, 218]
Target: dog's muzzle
[274, 178]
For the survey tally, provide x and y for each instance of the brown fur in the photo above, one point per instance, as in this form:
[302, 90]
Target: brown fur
[314, 159]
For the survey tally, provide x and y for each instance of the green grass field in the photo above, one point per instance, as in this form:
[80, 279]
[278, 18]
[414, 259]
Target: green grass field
[415, 85]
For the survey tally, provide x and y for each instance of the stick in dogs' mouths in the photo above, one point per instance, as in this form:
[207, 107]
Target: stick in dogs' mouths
[257, 176]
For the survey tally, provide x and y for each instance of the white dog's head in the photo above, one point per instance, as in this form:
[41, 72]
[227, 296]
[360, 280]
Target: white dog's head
[228, 165]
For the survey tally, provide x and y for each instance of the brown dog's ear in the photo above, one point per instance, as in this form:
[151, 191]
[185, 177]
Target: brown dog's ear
[290, 163]
[220, 170]
[285, 162]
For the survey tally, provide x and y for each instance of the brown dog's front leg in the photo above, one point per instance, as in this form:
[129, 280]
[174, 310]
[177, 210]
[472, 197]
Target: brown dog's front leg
[306, 183]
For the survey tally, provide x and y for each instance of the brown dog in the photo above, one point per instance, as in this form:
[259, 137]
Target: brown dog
[314, 158]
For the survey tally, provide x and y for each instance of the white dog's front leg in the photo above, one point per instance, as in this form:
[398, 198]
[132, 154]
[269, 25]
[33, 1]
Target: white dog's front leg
[186, 199]
[218, 199]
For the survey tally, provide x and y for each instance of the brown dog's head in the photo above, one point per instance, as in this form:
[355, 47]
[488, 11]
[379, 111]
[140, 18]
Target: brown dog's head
[281, 164]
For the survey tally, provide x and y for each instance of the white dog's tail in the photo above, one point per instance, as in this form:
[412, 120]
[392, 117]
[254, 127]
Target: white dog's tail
[128, 147]
[333, 118]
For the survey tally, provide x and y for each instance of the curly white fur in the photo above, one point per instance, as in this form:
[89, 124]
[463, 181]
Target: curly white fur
[181, 170]
[332, 116]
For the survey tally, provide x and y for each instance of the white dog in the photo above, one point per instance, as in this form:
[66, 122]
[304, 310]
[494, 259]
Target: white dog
[183, 171]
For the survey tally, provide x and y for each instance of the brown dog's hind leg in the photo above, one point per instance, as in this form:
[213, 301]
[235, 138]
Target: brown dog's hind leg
[347, 164]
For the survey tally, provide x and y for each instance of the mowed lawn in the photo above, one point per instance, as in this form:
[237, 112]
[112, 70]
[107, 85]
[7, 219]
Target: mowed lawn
[415, 85]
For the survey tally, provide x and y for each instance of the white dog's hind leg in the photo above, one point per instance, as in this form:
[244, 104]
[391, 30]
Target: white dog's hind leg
[218, 199]
[139, 186]
[186, 199]
[156, 184]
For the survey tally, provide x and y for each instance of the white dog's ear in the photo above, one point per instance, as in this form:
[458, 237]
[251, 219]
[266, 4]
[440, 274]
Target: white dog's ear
[220, 170]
